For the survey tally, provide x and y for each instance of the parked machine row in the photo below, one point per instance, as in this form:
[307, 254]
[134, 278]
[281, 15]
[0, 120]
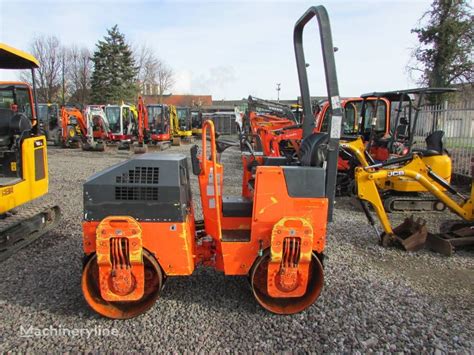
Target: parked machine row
[93, 126]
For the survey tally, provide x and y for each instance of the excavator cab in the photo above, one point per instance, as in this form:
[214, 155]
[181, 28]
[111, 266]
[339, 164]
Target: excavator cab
[18, 124]
[122, 119]
[196, 121]
[49, 121]
[95, 128]
[23, 159]
[159, 122]
[403, 108]
[184, 118]
[180, 118]
[16, 113]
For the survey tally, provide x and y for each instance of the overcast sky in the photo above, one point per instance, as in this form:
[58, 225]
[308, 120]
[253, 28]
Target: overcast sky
[231, 49]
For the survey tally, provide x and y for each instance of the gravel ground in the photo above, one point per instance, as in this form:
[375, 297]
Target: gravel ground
[374, 298]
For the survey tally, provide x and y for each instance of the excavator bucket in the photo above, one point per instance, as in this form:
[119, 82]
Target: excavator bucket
[452, 236]
[411, 234]
[139, 148]
[93, 147]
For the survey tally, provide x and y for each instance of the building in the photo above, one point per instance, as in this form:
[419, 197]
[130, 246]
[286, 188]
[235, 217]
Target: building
[180, 100]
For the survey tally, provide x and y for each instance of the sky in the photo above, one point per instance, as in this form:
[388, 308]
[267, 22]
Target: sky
[231, 49]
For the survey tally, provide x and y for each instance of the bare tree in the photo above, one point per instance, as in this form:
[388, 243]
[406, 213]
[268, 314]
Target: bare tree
[78, 73]
[49, 52]
[165, 79]
[147, 65]
[154, 75]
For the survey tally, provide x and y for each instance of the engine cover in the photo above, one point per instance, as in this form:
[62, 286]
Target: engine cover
[153, 187]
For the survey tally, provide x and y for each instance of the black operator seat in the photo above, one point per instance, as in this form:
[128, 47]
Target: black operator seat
[5, 119]
[402, 129]
[434, 145]
[12, 124]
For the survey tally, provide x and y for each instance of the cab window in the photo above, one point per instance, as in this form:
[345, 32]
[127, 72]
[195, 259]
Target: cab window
[380, 115]
[350, 118]
[20, 97]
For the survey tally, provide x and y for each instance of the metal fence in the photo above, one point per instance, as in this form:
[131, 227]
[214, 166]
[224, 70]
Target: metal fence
[457, 122]
[224, 122]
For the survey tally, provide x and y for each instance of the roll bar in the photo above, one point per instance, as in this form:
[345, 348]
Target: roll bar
[334, 127]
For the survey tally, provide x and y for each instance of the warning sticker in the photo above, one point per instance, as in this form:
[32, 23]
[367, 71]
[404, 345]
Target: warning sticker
[336, 126]
[335, 102]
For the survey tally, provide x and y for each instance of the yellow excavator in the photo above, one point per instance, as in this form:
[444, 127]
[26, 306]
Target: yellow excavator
[23, 159]
[414, 169]
[180, 118]
[399, 193]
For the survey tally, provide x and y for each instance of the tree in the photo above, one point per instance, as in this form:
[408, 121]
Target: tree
[78, 72]
[153, 73]
[49, 52]
[444, 54]
[147, 65]
[165, 78]
[113, 78]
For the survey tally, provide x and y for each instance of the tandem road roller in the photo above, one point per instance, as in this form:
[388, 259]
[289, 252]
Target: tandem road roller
[139, 223]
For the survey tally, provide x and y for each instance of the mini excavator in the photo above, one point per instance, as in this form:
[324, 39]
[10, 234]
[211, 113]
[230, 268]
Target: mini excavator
[373, 146]
[413, 235]
[139, 223]
[23, 160]
[77, 128]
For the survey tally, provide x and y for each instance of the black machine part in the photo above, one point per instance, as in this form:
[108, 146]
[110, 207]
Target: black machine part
[150, 187]
[21, 229]
[274, 108]
[195, 160]
[305, 181]
[313, 149]
[434, 144]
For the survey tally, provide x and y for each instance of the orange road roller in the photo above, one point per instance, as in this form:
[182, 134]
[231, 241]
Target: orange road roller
[139, 223]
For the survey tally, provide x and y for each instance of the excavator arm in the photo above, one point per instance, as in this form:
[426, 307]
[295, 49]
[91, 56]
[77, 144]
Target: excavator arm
[142, 125]
[411, 234]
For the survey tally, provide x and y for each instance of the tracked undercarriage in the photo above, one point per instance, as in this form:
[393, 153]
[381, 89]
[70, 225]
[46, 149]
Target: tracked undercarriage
[22, 228]
[416, 202]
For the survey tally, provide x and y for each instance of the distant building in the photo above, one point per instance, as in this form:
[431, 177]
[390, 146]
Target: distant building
[226, 105]
[180, 100]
